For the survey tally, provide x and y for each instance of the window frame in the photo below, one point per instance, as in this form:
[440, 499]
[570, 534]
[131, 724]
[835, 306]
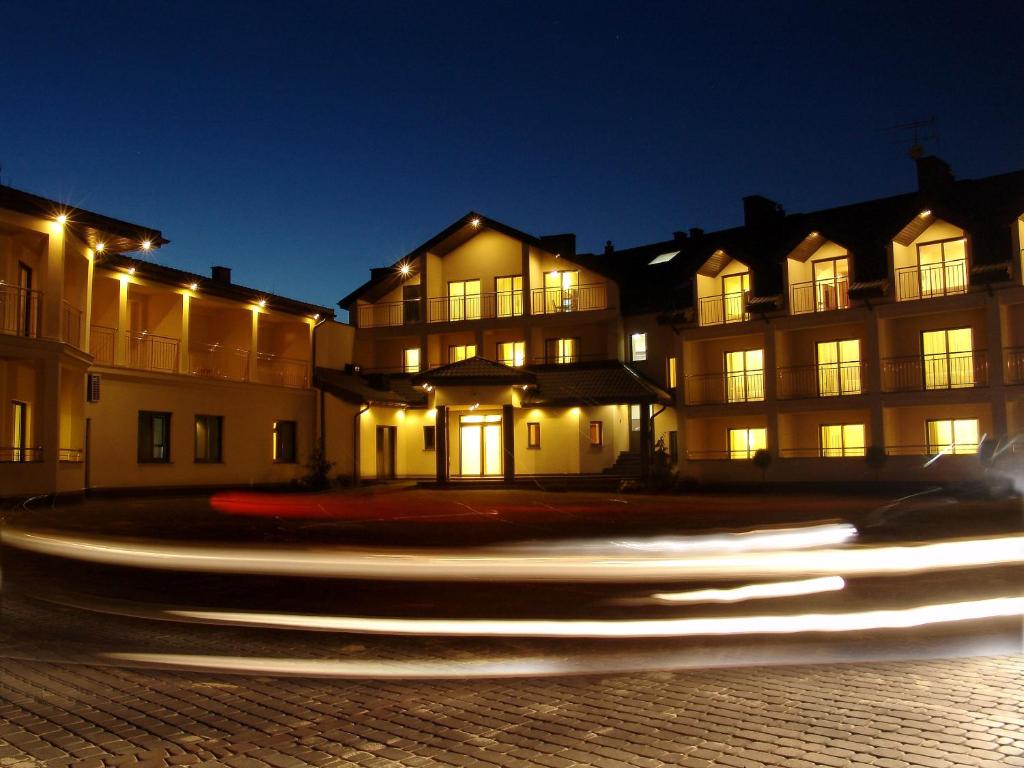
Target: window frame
[749, 453]
[512, 364]
[465, 352]
[533, 435]
[933, 449]
[515, 296]
[633, 356]
[406, 368]
[844, 450]
[219, 421]
[430, 444]
[599, 443]
[559, 359]
[148, 418]
[276, 453]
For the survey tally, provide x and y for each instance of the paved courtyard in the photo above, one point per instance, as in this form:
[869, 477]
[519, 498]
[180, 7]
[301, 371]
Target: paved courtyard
[966, 712]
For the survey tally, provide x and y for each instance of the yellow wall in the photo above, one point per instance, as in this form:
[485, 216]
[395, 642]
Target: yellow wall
[708, 355]
[906, 255]
[802, 431]
[334, 344]
[902, 336]
[798, 346]
[803, 271]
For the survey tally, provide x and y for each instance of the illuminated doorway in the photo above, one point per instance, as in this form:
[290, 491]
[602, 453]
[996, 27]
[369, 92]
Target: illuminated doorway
[480, 445]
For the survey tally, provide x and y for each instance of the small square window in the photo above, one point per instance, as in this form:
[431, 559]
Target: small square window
[208, 439]
[597, 433]
[533, 435]
[429, 437]
[284, 442]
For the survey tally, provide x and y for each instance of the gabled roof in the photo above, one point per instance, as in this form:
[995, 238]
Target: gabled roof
[474, 370]
[90, 227]
[593, 383]
[394, 390]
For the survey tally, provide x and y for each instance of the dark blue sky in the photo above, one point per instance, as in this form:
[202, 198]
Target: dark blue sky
[302, 143]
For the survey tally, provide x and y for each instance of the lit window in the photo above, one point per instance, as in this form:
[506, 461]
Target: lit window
[597, 433]
[512, 353]
[734, 292]
[744, 375]
[533, 435]
[831, 287]
[461, 352]
[208, 437]
[429, 437]
[508, 293]
[842, 440]
[671, 372]
[561, 291]
[412, 360]
[959, 436]
[948, 358]
[839, 367]
[154, 437]
[561, 350]
[744, 443]
[464, 300]
[638, 346]
[284, 442]
[942, 268]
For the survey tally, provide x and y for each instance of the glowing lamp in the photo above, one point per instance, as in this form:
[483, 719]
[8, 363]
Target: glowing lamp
[925, 214]
[62, 219]
[475, 222]
[101, 247]
[316, 316]
[131, 270]
[193, 286]
[404, 269]
[146, 245]
[262, 303]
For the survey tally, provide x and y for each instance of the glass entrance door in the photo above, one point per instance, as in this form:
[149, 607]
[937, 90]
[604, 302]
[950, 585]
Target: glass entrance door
[480, 445]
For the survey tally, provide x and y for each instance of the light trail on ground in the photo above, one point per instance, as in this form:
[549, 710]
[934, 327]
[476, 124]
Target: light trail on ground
[754, 591]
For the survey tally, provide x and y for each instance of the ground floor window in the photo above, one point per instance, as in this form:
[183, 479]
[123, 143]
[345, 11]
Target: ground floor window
[208, 438]
[638, 347]
[154, 437]
[411, 360]
[459, 352]
[959, 436]
[284, 442]
[512, 353]
[842, 440]
[597, 433]
[744, 443]
[429, 437]
[533, 434]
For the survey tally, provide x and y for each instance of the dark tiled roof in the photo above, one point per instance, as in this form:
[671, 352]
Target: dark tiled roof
[593, 383]
[475, 370]
[375, 389]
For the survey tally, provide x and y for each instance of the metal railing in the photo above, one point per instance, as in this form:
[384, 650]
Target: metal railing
[474, 306]
[727, 308]
[820, 296]
[717, 388]
[931, 450]
[582, 298]
[21, 311]
[387, 313]
[149, 352]
[103, 344]
[929, 280]
[71, 325]
[822, 380]
[12, 455]
[216, 361]
[1014, 371]
[70, 455]
[952, 370]
[283, 371]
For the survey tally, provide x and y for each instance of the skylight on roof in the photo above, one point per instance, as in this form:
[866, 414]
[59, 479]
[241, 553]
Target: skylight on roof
[663, 258]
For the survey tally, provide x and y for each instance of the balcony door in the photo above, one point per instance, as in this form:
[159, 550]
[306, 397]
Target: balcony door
[463, 300]
[480, 445]
[839, 368]
[734, 289]
[948, 358]
[744, 375]
[25, 300]
[561, 290]
[386, 440]
[942, 267]
[19, 431]
[509, 295]
[830, 284]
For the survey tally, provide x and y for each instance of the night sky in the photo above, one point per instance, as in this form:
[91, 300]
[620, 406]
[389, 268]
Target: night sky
[302, 143]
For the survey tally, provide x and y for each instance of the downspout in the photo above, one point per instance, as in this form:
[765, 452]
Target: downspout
[355, 442]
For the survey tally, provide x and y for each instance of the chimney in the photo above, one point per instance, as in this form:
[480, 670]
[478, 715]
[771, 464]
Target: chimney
[679, 237]
[222, 275]
[563, 245]
[934, 175]
[696, 233]
[609, 249]
[758, 211]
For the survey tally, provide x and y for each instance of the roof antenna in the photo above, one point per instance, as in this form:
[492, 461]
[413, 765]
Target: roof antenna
[918, 131]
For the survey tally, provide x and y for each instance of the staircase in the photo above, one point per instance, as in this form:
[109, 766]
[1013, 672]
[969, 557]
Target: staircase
[626, 465]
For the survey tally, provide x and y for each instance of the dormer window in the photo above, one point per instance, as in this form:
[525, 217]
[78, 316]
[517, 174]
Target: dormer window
[819, 276]
[930, 259]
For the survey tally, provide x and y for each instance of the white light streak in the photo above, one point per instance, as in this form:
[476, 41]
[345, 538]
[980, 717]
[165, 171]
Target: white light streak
[755, 591]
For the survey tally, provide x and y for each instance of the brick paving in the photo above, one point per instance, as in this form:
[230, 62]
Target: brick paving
[963, 712]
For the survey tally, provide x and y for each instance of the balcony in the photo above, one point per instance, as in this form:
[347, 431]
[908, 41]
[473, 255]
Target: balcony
[820, 296]
[822, 380]
[727, 308]
[953, 370]
[20, 311]
[930, 280]
[582, 298]
[71, 325]
[70, 455]
[718, 388]
[1014, 365]
[149, 352]
[215, 361]
[452, 309]
[103, 344]
[282, 371]
[388, 313]
[19, 455]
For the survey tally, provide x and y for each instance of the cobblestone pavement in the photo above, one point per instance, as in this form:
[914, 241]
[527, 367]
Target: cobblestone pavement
[964, 712]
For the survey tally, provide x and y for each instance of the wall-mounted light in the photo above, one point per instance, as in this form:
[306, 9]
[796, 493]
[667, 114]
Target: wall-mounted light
[101, 247]
[61, 219]
[404, 269]
[147, 244]
[925, 214]
[262, 303]
[475, 222]
[316, 316]
[193, 286]
[131, 270]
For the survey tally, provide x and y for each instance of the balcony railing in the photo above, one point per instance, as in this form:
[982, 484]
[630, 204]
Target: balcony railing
[929, 280]
[822, 380]
[149, 352]
[931, 450]
[387, 313]
[103, 344]
[728, 308]
[716, 388]
[583, 298]
[449, 309]
[820, 296]
[11, 455]
[1014, 365]
[70, 455]
[20, 311]
[71, 325]
[216, 361]
[283, 371]
[954, 370]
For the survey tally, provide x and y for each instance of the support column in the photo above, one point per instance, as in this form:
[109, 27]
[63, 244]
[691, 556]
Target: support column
[183, 344]
[645, 440]
[508, 439]
[527, 296]
[771, 374]
[87, 314]
[441, 443]
[994, 335]
[121, 340]
[253, 343]
[872, 355]
[53, 284]
[48, 417]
